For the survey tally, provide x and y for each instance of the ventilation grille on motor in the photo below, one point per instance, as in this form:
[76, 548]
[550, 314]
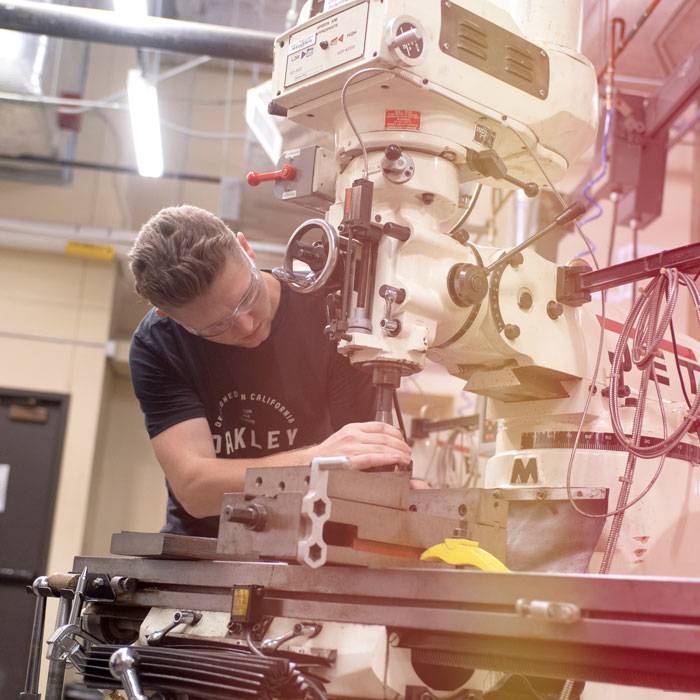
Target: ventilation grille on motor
[472, 40]
[520, 63]
[500, 53]
[200, 672]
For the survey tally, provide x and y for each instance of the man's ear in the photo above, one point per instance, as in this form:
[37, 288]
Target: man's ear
[161, 313]
[245, 245]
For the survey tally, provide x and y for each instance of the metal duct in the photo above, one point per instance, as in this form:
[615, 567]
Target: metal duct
[108, 27]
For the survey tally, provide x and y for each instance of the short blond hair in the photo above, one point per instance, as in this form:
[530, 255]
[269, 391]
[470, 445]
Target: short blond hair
[178, 253]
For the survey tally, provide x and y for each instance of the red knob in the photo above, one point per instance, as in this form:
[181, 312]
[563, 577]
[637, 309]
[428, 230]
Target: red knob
[286, 172]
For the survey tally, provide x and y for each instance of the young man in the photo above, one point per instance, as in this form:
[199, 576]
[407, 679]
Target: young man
[233, 370]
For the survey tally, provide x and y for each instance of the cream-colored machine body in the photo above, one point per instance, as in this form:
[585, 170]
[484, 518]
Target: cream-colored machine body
[435, 107]
[442, 98]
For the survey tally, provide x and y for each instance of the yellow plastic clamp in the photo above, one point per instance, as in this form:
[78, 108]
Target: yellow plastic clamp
[461, 552]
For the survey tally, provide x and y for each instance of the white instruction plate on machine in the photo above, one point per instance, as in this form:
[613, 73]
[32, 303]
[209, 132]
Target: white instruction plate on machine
[330, 43]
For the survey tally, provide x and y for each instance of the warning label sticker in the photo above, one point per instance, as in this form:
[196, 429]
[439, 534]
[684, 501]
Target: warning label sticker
[402, 119]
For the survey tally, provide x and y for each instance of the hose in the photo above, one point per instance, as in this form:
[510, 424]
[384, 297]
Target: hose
[651, 313]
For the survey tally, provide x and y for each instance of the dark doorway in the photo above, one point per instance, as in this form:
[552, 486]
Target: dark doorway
[31, 441]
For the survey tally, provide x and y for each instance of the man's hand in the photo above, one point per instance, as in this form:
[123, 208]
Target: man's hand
[367, 445]
[420, 485]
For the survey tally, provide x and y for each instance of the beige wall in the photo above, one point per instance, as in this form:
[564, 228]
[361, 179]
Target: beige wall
[128, 490]
[56, 315]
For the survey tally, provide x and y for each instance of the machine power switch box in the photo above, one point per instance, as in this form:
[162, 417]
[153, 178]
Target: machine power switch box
[313, 186]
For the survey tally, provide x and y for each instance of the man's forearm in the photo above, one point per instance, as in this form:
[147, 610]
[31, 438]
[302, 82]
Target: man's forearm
[211, 478]
[199, 479]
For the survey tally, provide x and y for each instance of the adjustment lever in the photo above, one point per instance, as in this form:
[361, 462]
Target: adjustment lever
[490, 164]
[286, 172]
[122, 665]
[391, 295]
[307, 629]
[572, 212]
[531, 189]
[181, 617]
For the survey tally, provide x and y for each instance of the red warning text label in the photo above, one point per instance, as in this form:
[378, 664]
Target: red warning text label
[402, 119]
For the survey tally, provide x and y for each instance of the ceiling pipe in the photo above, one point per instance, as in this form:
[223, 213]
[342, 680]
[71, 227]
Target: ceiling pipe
[107, 27]
[106, 168]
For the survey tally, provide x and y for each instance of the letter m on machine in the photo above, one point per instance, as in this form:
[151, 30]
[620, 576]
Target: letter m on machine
[524, 471]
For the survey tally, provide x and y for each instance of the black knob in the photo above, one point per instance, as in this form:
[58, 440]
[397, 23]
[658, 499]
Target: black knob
[525, 300]
[511, 331]
[461, 236]
[323, 44]
[516, 260]
[531, 189]
[554, 309]
[392, 152]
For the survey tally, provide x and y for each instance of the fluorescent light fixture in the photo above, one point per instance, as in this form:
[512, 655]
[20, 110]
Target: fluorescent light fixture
[38, 64]
[132, 9]
[145, 124]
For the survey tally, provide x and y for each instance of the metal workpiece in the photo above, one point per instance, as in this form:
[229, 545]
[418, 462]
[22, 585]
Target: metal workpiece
[331, 514]
[104, 26]
[165, 545]
[374, 519]
[388, 489]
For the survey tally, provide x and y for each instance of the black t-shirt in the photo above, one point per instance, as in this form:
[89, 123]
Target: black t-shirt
[292, 391]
